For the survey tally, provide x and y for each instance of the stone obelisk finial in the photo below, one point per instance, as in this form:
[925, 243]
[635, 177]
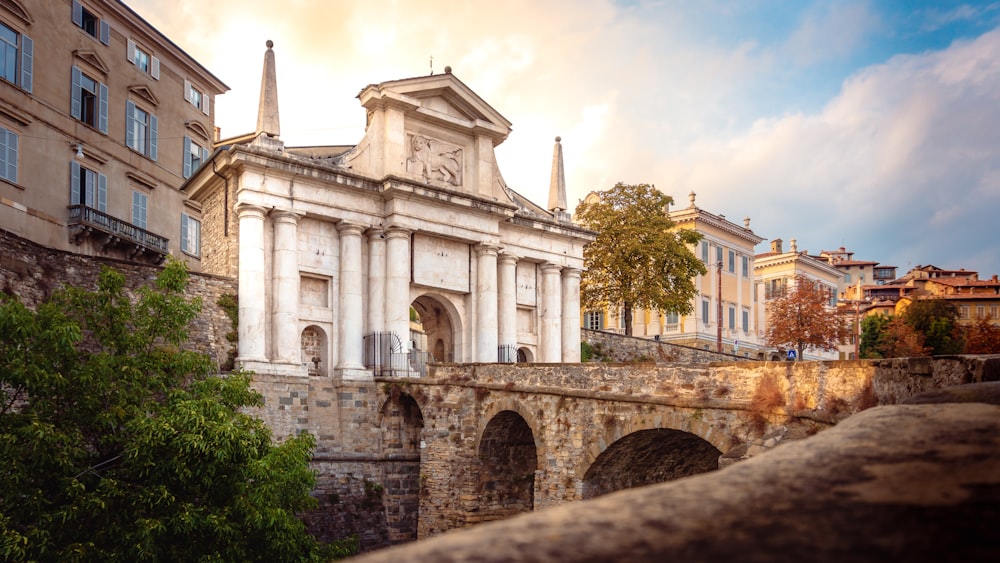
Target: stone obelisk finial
[557, 186]
[267, 111]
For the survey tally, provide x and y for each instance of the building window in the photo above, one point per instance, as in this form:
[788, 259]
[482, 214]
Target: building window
[746, 266]
[746, 321]
[704, 252]
[732, 262]
[90, 101]
[732, 318]
[980, 311]
[93, 25]
[88, 188]
[194, 156]
[197, 98]
[190, 235]
[139, 209]
[672, 320]
[8, 155]
[963, 312]
[593, 320]
[142, 60]
[993, 311]
[140, 130]
[774, 288]
[10, 58]
[718, 254]
[704, 311]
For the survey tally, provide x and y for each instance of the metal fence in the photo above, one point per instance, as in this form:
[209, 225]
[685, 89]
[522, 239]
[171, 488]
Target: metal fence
[386, 356]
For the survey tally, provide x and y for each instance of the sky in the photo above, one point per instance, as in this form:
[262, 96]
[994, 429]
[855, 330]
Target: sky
[872, 125]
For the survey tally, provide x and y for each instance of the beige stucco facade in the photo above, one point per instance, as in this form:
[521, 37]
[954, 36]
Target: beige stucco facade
[91, 79]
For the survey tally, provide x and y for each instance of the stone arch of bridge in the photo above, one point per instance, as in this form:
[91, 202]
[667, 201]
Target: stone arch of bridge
[495, 407]
[441, 321]
[507, 463]
[683, 420]
[401, 424]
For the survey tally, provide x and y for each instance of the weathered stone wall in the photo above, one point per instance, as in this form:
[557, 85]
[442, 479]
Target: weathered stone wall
[33, 273]
[609, 346]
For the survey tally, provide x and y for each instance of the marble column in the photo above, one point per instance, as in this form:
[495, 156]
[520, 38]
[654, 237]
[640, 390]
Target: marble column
[252, 291]
[397, 283]
[486, 303]
[550, 348]
[570, 315]
[376, 281]
[507, 303]
[351, 302]
[285, 319]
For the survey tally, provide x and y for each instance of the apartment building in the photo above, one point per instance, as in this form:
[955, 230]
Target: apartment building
[101, 120]
[727, 249]
[776, 271]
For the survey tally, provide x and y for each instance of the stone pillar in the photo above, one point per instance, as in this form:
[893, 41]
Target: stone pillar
[486, 303]
[376, 281]
[550, 341]
[252, 294]
[285, 319]
[570, 315]
[507, 303]
[397, 283]
[351, 303]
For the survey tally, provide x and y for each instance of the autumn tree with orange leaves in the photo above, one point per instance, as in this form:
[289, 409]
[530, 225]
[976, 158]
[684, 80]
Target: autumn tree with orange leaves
[801, 318]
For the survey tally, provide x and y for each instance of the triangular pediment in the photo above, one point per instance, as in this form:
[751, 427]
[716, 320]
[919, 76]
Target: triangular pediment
[441, 96]
[92, 59]
[17, 10]
[144, 93]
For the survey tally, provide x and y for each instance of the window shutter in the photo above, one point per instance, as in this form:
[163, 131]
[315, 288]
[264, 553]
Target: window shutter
[74, 183]
[88, 187]
[27, 60]
[76, 105]
[102, 120]
[204, 155]
[205, 104]
[187, 91]
[77, 13]
[105, 32]
[154, 68]
[187, 156]
[102, 193]
[184, 232]
[130, 50]
[11, 157]
[129, 124]
[152, 136]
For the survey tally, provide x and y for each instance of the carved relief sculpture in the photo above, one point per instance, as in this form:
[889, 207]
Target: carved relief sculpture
[433, 160]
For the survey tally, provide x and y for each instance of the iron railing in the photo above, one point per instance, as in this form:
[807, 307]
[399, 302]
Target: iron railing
[90, 217]
[385, 355]
[507, 354]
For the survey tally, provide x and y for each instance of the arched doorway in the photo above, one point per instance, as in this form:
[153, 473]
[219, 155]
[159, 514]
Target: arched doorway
[432, 331]
[646, 457]
[524, 356]
[508, 460]
[314, 350]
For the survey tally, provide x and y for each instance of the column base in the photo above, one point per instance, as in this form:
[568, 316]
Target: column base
[354, 374]
[273, 368]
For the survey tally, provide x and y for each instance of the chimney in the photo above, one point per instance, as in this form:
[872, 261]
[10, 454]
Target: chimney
[776, 246]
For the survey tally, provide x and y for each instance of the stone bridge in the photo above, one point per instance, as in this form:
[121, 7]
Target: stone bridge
[401, 459]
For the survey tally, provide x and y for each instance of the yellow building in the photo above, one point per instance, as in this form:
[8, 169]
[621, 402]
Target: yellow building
[101, 120]
[776, 271]
[727, 249]
[973, 298]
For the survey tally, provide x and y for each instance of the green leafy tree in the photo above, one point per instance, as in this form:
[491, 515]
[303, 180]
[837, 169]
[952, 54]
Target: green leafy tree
[118, 445]
[638, 260]
[801, 318]
[873, 334]
[936, 319]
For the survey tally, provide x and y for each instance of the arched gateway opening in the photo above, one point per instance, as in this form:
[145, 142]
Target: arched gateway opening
[401, 424]
[647, 457]
[432, 331]
[508, 460]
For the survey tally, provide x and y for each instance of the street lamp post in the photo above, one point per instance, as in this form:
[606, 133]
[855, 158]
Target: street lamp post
[718, 334]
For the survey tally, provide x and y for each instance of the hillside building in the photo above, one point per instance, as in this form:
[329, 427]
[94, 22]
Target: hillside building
[101, 120]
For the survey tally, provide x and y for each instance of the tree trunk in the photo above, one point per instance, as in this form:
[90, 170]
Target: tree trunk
[628, 319]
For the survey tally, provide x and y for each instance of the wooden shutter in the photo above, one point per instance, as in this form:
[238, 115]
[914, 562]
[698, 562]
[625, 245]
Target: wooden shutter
[129, 124]
[187, 156]
[74, 183]
[102, 119]
[102, 193]
[152, 136]
[27, 60]
[154, 67]
[76, 105]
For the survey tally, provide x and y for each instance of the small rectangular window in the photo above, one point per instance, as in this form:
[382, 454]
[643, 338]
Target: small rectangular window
[190, 235]
[980, 311]
[139, 209]
[704, 311]
[746, 266]
[746, 321]
[90, 101]
[704, 252]
[16, 56]
[732, 262]
[91, 23]
[142, 59]
[194, 156]
[197, 98]
[8, 155]
[732, 318]
[718, 254]
[963, 312]
[593, 320]
[88, 188]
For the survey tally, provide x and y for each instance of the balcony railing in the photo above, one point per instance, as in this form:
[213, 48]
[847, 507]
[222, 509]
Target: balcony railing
[119, 233]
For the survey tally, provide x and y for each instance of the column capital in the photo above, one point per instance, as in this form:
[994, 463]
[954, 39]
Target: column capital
[397, 232]
[347, 228]
[568, 272]
[248, 210]
[485, 248]
[375, 233]
[508, 258]
[550, 268]
[286, 216]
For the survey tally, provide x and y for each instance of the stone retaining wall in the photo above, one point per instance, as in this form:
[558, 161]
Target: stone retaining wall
[609, 346]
